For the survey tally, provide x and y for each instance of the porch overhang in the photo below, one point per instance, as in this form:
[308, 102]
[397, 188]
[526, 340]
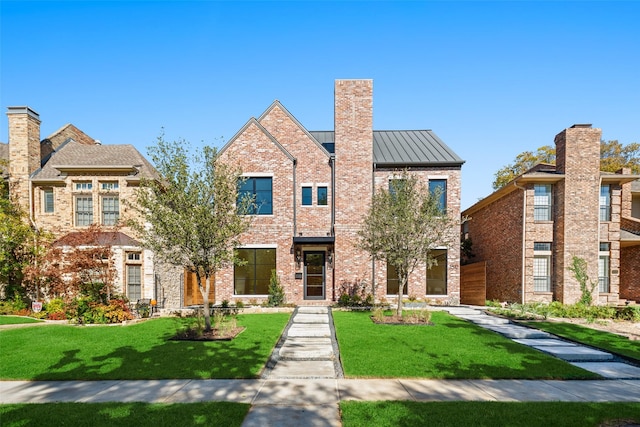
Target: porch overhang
[307, 240]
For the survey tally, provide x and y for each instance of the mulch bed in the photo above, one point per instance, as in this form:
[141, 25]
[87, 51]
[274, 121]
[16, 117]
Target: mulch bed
[396, 320]
[212, 335]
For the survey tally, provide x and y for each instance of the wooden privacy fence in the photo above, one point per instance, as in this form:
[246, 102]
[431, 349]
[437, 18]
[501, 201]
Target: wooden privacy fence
[473, 283]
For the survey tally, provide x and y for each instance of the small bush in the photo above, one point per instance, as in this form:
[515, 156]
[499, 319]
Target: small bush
[239, 304]
[57, 315]
[276, 291]
[630, 312]
[354, 294]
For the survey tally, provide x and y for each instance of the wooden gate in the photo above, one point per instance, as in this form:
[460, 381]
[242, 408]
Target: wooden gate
[473, 283]
[192, 295]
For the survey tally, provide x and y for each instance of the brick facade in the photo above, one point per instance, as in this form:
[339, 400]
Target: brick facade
[506, 242]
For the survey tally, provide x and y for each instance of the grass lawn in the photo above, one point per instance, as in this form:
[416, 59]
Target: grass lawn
[135, 352]
[452, 348]
[592, 337]
[464, 414]
[15, 320]
[123, 414]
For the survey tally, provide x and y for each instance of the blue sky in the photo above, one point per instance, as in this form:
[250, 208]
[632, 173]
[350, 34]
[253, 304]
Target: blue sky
[492, 79]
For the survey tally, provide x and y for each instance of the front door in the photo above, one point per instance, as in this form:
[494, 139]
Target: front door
[314, 275]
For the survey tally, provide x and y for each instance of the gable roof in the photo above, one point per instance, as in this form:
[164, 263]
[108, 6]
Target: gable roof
[102, 238]
[73, 156]
[397, 148]
[253, 121]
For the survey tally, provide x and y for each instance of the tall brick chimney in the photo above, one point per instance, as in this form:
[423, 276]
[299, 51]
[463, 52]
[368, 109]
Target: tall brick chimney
[578, 206]
[353, 123]
[24, 151]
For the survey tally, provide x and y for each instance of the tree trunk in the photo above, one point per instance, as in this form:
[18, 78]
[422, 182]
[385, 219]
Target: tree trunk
[205, 299]
[401, 285]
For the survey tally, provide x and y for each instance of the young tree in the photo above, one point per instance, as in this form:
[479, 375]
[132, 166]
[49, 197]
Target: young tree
[191, 215]
[404, 225]
[613, 157]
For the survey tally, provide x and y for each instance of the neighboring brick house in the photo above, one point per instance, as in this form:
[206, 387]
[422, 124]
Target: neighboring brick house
[312, 190]
[528, 231]
[69, 181]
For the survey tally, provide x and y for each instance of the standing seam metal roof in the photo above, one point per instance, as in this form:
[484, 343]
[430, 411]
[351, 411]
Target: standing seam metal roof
[404, 147]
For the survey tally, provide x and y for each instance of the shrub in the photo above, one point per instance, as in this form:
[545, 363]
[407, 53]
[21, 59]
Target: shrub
[276, 291]
[117, 311]
[354, 294]
[239, 304]
[630, 312]
[55, 305]
[57, 315]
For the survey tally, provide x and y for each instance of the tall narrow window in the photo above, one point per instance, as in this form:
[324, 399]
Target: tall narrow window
[323, 198]
[605, 203]
[438, 189]
[253, 277]
[393, 281]
[84, 211]
[542, 267]
[604, 261]
[262, 191]
[542, 202]
[437, 274]
[307, 196]
[47, 200]
[110, 210]
[134, 282]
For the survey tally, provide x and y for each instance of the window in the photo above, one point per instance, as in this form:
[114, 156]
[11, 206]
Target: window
[261, 189]
[306, 196]
[323, 199]
[83, 186]
[395, 185]
[438, 189]
[393, 281]
[84, 211]
[47, 200]
[437, 274]
[542, 267]
[253, 277]
[604, 261]
[110, 210]
[542, 202]
[111, 185]
[134, 282]
[133, 256]
[605, 203]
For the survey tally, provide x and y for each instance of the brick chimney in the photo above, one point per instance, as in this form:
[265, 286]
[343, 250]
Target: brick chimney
[24, 151]
[578, 206]
[353, 123]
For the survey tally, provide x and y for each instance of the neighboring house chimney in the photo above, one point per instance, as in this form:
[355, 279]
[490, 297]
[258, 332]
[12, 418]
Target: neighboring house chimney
[578, 207]
[353, 123]
[24, 151]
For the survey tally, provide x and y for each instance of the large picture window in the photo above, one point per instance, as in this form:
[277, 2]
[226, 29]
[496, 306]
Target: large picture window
[542, 202]
[84, 211]
[437, 274]
[253, 277]
[261, 188]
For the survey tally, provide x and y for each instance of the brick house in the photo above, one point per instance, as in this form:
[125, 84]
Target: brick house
[528, 231]
[69, 181]
[312, 190]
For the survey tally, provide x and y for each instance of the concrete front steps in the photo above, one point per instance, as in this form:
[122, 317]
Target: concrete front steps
[307, 349]
[590, 359]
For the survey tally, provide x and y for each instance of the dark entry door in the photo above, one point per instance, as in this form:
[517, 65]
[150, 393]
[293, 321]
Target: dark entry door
[314, 275]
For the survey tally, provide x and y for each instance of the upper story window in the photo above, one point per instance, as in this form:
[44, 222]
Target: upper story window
[84, 210]
[438, 189]
[83, 186]
[605, 203]
[261, 188]
[542, 202]
[307, 196]
[47, 200]
[133, 256]
[109, 185]
[323, 198]
[110, 210]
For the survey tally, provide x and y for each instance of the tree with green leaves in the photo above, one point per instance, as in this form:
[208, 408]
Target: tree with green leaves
[403, 225]
[191, 215]
[613, 157]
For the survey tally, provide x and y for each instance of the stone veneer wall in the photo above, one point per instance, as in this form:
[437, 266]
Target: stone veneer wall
[24, 151]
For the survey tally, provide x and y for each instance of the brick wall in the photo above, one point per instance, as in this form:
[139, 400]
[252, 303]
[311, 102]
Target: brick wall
[630, 273]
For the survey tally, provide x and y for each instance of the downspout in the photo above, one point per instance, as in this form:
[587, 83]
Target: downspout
[332, 164]
[295, 191]
[373, 261]
[524, 232]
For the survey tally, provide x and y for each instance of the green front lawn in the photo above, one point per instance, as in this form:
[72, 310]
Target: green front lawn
[16, 320]
[490, 414]
[136, 352]
[592, 337]
[123, 414]
[451, 348]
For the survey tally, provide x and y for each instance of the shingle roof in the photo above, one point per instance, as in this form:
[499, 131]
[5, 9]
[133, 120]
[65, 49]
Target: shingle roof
[402, 148]
[91, 157]
[114, 238]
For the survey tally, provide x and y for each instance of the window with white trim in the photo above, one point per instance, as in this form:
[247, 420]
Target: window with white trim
[542, 202]
[47, 200]
[542, 267]
[110, 210]
[84, 210]
[604, 267]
